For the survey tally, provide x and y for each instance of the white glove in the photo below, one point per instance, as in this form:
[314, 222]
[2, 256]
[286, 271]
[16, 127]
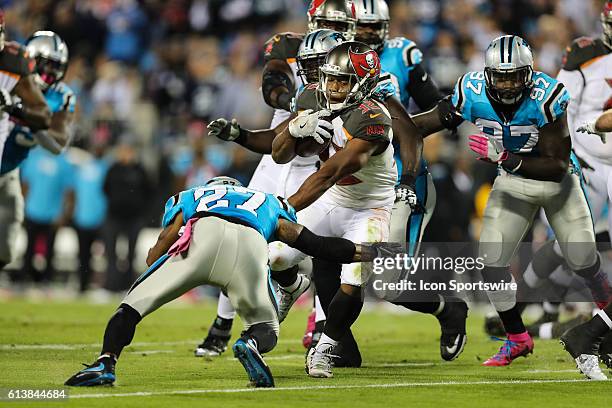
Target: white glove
[6, 100]
[224, 130]
[589, 127]
[309, 124]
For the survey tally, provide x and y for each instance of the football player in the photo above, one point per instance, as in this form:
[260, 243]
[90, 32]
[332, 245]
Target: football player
[358, 179]
[521, 114]
[280, 82]
[218, 235]
[50, 55]
[404, 78]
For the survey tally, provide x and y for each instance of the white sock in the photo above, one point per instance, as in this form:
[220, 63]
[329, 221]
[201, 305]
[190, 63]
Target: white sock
[531, 279]
[225, 309]
[545, 331]
[325, 341]
[319, 313]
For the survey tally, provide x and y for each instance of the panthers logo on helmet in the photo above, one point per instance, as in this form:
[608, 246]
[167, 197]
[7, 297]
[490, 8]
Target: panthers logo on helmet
[366, 63]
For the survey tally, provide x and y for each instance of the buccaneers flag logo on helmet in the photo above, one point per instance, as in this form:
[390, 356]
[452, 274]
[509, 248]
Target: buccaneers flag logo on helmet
[314, 6]
[365, 63]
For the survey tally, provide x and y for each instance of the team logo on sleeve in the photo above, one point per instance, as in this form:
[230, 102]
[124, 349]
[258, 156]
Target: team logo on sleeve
[365, 64]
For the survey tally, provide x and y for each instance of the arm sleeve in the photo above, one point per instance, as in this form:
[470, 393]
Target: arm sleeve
[423, 89]
[326, 248]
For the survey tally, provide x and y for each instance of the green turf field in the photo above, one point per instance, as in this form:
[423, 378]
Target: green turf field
[42, 344]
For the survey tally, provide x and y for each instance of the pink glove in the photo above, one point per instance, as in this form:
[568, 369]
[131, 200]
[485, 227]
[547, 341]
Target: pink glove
[487, 148]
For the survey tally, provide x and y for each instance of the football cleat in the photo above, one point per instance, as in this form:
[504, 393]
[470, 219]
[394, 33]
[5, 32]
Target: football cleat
[452, 324]
[310, 328]
[213, 345]
[258, 371]
[584, 347]
[510, 351]
[288, 298]
[101, 372]
[320, 361]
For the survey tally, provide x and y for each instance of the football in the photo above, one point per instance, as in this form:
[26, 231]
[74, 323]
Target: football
[308, 146]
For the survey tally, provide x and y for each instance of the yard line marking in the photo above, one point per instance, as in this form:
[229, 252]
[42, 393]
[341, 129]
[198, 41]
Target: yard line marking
[151, 352]
[549, 371]
[60, 346]
[326, 387]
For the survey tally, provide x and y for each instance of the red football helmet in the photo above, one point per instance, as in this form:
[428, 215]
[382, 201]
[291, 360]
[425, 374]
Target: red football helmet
[337, 15]
[606, 22]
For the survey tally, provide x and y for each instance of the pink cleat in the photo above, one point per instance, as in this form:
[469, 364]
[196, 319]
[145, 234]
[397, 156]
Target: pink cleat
[515, 346]
[310, 328]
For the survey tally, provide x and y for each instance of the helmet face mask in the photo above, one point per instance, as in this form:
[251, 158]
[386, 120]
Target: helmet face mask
[606, 22]
[349, 75]
[312, 52]
[372, 23]
[51, 55]
[507, 86]
[508, 69]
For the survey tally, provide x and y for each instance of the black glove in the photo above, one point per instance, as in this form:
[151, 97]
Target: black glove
[224, 130]
[6, 100]
[405, 191]
[388, 249]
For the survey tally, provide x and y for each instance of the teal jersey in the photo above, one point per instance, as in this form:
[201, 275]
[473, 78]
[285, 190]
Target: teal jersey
[547, 100]
[398, 57]
[59, 98]
[254, 208]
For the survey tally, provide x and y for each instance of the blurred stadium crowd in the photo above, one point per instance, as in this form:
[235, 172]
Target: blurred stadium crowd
[150, 74]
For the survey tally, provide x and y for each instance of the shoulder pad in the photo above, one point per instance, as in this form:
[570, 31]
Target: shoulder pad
[582, 50]
[283, 46]
[411, 54]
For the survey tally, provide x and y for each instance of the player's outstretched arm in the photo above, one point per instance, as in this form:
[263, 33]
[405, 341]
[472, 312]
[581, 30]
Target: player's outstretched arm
[258, 141]
[347, 161]
[408, 135]
[166, 239]
[327, 248]
[442, 116]
[33, 110]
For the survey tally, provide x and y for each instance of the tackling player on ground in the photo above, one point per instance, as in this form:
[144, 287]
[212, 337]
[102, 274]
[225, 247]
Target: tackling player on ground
[218, 234]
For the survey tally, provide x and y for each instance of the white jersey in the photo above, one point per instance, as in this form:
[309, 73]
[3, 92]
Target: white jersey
[373, 186]
[587, 75]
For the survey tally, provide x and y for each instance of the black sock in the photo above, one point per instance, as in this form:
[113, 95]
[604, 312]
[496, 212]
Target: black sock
[513, 323]
[264, 336]
[343, 311]
[120, 330]
[287, 277]
[326, 277]
[221, 326]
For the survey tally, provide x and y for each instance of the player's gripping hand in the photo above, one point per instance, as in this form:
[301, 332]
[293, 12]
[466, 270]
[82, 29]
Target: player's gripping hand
[487, 148]
[311, 124]
[224, 130]
[406, 193]
[589, 127]
[6, 100]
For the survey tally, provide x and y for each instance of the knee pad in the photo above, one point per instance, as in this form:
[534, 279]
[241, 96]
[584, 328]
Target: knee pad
[590, 270]
[264, 334]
